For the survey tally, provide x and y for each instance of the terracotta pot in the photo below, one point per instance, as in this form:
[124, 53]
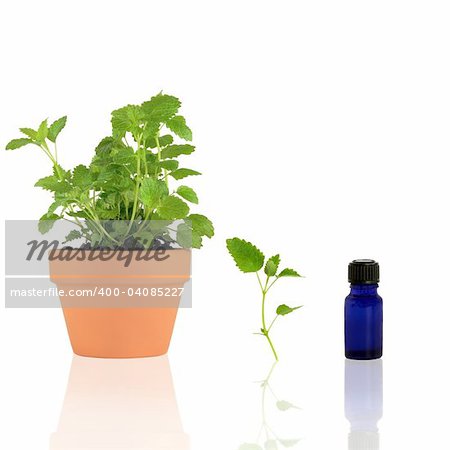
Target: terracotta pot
[111, 320]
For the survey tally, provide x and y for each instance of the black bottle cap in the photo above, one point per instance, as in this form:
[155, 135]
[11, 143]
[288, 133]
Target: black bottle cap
[363, 271]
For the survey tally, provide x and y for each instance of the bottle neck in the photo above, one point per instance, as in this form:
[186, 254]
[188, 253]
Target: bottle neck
[363, 289]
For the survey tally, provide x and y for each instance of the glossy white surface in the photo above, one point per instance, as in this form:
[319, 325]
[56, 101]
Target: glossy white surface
[322, 131]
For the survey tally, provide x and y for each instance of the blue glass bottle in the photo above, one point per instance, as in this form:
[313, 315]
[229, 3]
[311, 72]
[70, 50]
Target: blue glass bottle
[363, 311]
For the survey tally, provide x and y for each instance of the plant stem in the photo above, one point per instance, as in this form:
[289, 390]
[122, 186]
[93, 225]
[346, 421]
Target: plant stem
[90, 211]
[271, 284]
[259, 281]
[144, 222]
[159, 159]
[263, 316]
[263, 313]
[273, 321]
[56, 153]
[272, 347]
[46, 150]
[136, 192]
[98, 223]
[54, 160]
[265, 385]
[144, 149]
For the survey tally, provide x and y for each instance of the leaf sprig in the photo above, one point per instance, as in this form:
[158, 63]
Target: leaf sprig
[248, 259]
[128, 178]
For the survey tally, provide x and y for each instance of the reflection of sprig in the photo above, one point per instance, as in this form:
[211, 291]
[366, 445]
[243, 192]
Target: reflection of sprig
[249, 258]
[271, 439]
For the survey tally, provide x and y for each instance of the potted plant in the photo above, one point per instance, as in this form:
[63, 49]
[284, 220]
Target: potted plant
[136, 229]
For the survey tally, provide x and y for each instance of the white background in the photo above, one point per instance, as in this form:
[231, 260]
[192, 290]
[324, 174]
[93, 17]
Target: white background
[322, 131]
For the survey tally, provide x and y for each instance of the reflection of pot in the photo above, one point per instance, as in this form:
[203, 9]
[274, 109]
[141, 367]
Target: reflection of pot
[118, 310]
[121, 404]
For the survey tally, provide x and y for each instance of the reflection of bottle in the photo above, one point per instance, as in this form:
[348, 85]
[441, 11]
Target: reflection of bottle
[120, 404]
[363, 311]
[363, 402]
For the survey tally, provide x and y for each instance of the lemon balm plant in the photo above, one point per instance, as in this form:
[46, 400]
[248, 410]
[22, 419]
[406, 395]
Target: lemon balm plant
[249, 259]
[127, 180]
[131, 199]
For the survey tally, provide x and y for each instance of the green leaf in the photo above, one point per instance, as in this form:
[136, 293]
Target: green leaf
[283, 310]
[190, 233]
[247, 257]
[145, 238]
[188, 194]
[283, 405]
[247, 446]
[169, 164]
[173, 208]
[124, 156]
[178, 125]
[80, 214]
[173, 151]
[105, 146]
[95, 239]
[119, 229]
[202, 225]
[152, 191]
[72, 236]
[53, 207]
[107, 173]
[58, 170]
[288, 442]
[42, 132]
[161, 108]
[288, 273]
[197, 240]
[29, 132]
[56, 127]
[187, 237]
[81, 177]
[272, 265]
[51, 183]
[184, 235]
[183, 173]
[46, 222]
[165, 140]
[126, 119]
[106, 214]
[17, 143]
[270, 444]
